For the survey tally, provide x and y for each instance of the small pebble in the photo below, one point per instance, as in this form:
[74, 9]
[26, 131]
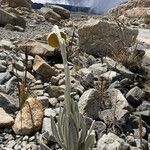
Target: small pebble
[11, 144]
[25, 138]
[17, 147]
[32, 138]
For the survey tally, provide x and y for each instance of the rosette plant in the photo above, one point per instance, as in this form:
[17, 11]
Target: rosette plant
[70, 131]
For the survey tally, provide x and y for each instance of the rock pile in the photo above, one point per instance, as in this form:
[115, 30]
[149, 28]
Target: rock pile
[133, 12]
[8, 18]
[20, 3]
[55, 13]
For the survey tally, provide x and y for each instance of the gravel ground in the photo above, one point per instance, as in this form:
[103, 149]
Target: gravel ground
[33, 28]
[36, 28]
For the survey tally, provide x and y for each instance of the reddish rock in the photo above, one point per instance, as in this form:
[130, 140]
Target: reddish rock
[29, 119]
[136, 12]
[133, 9]
[42, 68]
[53, 101]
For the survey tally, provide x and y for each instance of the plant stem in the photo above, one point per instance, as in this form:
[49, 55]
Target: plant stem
[66, 69]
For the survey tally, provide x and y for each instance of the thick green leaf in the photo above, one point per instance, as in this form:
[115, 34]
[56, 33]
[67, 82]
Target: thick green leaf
[55, 132]
[77, 115]
[90, 141]
[73, 134]
[91, 128]
[66, 130]
[60, 125]
[83, 131]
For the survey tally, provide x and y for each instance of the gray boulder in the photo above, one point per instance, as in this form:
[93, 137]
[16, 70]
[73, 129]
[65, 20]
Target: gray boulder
[55, 91]
[13, 28]
[109, 75]
[9, 27]
[8, 18]
[98, 69]
[144, 144]
[146, 62]
[111, 141]
[118, 100]
[49, 14]
[119, 68]
[110, 115]
[131, 140]
[47, 130]
[8, 103]
[4, 77]
[89, 103]
[144, 106]
[64, 13]
[99, 37]
[86, 77]
[2, 68]
[134, 96]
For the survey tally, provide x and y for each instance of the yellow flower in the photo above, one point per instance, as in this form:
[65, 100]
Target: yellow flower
[53, 39]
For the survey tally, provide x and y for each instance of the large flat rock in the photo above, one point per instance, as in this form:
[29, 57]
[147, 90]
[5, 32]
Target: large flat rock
[144, 37]
[100, 37]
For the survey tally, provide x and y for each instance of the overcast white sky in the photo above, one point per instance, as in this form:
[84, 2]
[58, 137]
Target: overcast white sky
[44, 1]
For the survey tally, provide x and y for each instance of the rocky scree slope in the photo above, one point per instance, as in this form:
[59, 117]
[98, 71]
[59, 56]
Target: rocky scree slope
[111, 88]
[134, 13]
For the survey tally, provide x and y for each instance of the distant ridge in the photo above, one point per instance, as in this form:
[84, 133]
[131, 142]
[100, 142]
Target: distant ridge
[37, 5]
[68, 7]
